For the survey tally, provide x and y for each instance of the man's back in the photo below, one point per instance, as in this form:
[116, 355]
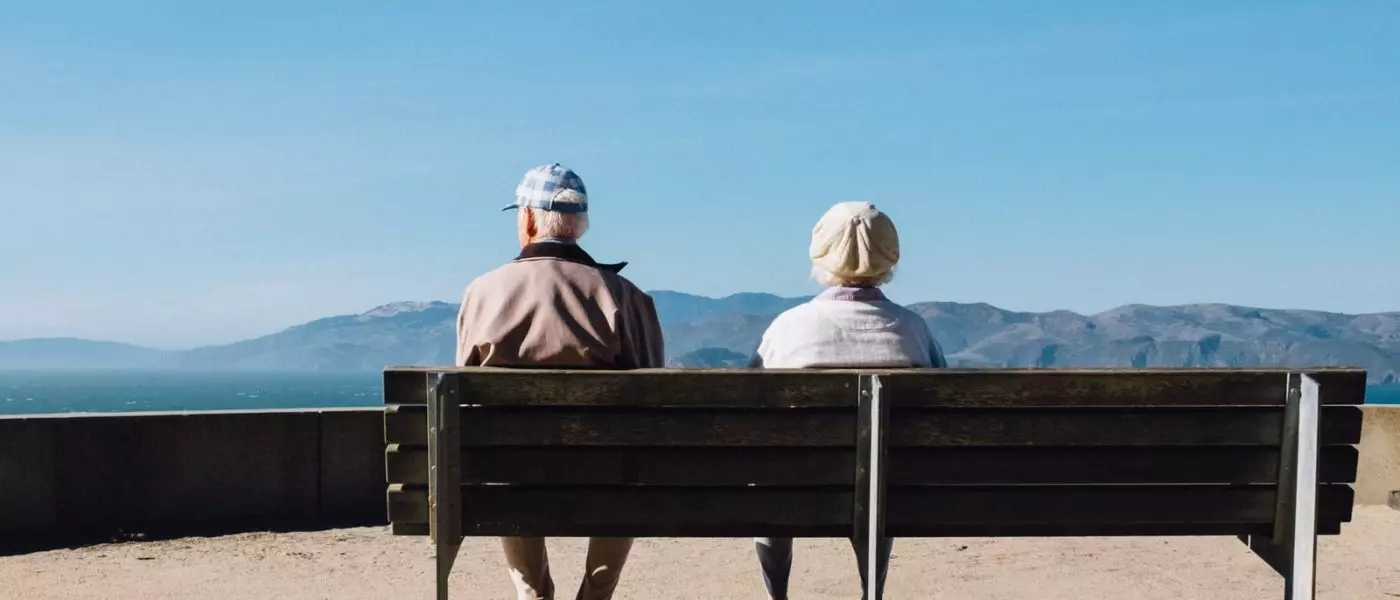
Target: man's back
[556, 308]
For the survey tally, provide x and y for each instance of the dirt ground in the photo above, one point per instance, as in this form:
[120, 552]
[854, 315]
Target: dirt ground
[368, 563]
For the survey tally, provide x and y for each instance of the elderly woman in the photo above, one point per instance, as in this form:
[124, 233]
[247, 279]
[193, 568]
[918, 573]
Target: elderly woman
[849, 325]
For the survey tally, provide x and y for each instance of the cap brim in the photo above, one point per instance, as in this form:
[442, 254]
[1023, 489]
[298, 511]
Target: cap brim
[559, 208]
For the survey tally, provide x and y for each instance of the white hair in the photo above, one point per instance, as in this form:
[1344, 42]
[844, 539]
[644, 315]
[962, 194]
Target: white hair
[562, 225]
[829, 279]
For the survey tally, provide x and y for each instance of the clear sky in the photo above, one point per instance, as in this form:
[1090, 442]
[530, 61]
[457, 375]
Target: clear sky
[179, 173]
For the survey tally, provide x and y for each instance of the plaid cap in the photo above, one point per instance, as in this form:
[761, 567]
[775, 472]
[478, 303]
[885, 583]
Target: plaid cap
[543, 183]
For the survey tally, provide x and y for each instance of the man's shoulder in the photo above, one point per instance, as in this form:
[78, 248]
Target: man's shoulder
[514, 273]
[515, 270]
[503, 278]
[492, 275]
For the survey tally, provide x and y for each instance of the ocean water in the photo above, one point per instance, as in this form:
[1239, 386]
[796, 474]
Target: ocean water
[30, 392]
[33, 392]
[1383, 394]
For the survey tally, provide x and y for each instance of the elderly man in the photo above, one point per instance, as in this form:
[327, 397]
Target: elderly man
[854, 250]
[554, 306]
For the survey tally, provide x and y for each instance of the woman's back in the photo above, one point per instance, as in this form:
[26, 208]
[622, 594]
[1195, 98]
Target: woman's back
[848, 327]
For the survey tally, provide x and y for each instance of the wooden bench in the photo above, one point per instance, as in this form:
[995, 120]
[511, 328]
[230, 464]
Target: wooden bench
[1265, 455]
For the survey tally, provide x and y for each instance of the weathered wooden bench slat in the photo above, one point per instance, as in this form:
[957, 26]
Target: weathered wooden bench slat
[833, 466]
[797, 511]
[1141, 426]
[913, 510]
[1146, 387]
[1118, 465]
[1116, 426]
[941, 511]
[1010, 387]
[601, 465]
[674, 427]
[635, 388]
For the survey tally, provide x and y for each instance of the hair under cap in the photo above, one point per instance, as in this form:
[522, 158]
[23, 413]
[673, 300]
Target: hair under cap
[855, 240]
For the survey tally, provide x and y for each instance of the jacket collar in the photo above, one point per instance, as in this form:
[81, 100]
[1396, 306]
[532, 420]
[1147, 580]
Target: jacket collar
[567, 252]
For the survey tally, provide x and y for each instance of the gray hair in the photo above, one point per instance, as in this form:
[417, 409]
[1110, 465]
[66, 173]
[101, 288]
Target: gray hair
[829, 279]
[565, 226]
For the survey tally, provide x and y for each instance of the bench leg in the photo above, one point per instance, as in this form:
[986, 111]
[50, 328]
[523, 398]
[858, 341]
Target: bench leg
[870, 485]
[1292, 549]
[444, 475]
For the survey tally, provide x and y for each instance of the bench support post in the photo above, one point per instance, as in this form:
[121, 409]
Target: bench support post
[444, 474]
[870, 484]
[1292, 549]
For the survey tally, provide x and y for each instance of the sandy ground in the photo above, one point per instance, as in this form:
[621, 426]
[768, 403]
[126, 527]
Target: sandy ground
[1361, 564]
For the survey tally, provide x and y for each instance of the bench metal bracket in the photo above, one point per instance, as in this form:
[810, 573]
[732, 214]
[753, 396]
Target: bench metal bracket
[444, 473]
[1292, 549]
[870, 484]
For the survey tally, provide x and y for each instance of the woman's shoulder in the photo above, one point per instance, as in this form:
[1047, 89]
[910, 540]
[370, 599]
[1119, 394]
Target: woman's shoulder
[796, 316]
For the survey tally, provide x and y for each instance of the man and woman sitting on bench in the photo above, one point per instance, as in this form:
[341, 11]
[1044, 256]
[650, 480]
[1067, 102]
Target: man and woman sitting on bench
[554, 306]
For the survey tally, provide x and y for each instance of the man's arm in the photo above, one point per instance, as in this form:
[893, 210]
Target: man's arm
[465, 356]
[651, 343]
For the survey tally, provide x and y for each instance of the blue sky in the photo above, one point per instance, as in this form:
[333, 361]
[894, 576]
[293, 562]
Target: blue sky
[177, 173]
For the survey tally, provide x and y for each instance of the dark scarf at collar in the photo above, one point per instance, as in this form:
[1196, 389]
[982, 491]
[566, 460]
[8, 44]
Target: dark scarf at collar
[569, 252]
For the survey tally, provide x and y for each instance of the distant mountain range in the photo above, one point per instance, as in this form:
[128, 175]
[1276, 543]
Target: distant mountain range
[51, 353]
[710, 332]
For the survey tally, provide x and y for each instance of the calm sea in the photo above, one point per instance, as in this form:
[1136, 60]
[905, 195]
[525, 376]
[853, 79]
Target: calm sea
[116, 391]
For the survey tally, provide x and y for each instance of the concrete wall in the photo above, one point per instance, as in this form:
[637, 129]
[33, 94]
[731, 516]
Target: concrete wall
[1378, 471]
[98, 475]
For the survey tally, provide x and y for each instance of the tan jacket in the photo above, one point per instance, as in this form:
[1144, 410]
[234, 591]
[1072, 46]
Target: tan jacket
[555, 307]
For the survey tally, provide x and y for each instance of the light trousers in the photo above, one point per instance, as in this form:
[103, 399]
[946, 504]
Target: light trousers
[529, 567]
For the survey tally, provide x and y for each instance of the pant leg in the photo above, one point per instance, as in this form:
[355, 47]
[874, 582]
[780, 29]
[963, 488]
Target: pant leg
[528, 561]
[775, 558]
[603, 567]
[882, 563]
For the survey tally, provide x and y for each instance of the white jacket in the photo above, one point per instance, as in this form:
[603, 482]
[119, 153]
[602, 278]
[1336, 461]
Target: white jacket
[848, 328]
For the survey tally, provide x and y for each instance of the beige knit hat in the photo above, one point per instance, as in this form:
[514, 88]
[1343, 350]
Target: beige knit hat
[855, 240]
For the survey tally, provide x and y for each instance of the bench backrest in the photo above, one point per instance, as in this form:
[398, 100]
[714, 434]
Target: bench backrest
[791, 453]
